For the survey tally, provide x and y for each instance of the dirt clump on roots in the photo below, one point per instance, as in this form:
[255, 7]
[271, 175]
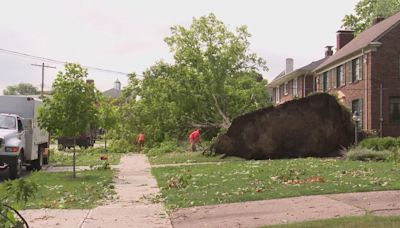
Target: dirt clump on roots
[314, 126]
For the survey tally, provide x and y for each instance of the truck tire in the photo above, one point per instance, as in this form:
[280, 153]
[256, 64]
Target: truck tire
[37, 164]
[46, 159]
[15, 168]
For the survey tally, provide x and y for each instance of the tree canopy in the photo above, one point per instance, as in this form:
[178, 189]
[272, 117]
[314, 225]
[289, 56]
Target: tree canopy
[214, 78]
[367, 10]
[72, 106]
[21, 89]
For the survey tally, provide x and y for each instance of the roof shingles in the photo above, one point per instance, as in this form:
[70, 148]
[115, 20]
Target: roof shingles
[374, 33]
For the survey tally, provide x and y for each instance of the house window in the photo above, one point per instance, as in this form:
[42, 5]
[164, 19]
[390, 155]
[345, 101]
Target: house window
[315, 86]
[355, 70]
[357, 106]
[340, 76]
[395, 110]
[285, 89]
[295, 87]
[277, 95]
[325, 81]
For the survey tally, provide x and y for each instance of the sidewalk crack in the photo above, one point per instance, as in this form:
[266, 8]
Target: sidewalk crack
[84, 219]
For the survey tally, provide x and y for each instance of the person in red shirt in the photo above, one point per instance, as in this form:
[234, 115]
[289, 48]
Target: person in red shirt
[194, 138]
[140, 141]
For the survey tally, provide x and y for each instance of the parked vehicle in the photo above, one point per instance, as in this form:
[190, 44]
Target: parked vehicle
[22, 142]
[85, 140]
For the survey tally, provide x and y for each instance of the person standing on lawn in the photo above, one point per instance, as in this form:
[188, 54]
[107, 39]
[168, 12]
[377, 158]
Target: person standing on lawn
[140, 140]
[194, 138]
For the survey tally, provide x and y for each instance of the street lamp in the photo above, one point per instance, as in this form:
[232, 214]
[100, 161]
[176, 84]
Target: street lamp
[356, 118]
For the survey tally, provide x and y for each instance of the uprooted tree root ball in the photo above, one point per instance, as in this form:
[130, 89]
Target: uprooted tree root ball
[316, 126]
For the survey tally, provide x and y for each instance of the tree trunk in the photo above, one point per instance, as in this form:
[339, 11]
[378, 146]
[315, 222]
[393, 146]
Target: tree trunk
[226, 122]
[74, 159]
[105, 140]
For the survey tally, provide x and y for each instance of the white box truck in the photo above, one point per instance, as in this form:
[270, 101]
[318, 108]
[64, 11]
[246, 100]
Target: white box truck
[22, 142]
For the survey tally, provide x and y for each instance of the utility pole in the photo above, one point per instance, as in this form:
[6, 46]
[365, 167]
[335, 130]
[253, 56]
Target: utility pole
[42, 66]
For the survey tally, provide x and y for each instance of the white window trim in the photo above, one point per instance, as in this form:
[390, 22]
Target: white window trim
[327, 87]
[277, 95]
[343, 76]
[295, 89]
[359, 71]
[340, 63]
[285, 89]
[340, 76]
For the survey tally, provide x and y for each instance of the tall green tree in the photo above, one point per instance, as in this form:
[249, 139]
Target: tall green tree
[213, 79]
[367, 10]
[107, 117]
[21, 89]
[73, 106]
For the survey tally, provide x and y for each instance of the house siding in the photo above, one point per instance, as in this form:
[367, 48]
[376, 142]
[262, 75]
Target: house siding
[377, 67]
[309, 85]
[385, 70]
[304, 88]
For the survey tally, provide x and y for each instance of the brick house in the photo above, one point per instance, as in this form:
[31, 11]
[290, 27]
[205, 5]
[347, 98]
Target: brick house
[290, 84]
[365, 73]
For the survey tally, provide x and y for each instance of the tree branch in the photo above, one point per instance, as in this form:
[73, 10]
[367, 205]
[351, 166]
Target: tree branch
[225, 120]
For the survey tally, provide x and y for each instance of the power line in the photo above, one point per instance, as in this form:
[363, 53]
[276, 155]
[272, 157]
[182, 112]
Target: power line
[21, 54]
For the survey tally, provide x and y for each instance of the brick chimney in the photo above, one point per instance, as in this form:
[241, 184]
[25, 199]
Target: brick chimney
[377, 20]
[289, 66]
[343, 37]
[328, 51]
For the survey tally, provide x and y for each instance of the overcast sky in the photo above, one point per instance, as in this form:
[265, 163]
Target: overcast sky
[127, 36]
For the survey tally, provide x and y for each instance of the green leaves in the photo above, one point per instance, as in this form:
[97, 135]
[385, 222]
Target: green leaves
[17, 193]
[21, 190]
[367, 11]
[73, 104]
[213, 79]
[21, 89]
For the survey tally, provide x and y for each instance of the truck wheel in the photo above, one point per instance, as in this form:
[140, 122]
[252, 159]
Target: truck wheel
[16, 167]
[37, 164]
[47, 158]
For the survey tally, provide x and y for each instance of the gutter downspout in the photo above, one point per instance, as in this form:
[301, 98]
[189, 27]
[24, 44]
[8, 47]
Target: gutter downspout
[313, 84]
[304, 82]
[304, 85]
[365, 63]
[381, 112]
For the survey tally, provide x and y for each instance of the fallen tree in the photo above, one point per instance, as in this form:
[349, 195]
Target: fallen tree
[316, 126]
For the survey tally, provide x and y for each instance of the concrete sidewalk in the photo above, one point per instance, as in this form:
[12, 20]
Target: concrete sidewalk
[136, 188]
[288, 210]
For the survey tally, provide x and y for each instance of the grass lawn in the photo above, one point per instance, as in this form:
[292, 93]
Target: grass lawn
[347, 222]
[61, 190]
[187, 186]
[188, 157]
[83, 158]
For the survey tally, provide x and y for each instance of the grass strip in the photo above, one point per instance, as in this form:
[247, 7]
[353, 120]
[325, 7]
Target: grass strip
[347, 222]
[83, 158]
[61, 190]
[188, 157]
[186, 186]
